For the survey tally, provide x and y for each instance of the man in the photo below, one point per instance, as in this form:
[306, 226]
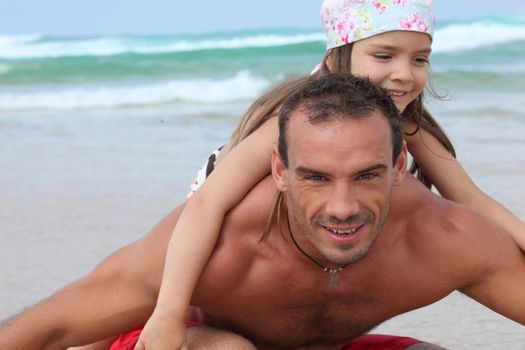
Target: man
[340, 260]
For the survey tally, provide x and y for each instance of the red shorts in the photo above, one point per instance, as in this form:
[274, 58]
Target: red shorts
[380, 341]
[128, 340]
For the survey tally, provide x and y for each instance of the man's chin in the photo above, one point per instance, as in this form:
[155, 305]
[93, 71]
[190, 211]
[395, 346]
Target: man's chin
[337, 257]
[355, 255]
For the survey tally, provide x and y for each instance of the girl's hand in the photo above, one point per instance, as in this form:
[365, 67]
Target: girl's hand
[163, 331]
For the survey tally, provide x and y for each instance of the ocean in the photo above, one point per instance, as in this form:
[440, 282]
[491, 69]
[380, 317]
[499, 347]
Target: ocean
[101, 135]
[39, 72]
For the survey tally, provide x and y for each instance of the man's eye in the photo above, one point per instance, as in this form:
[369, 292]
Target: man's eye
[316, 178]
[367, 176]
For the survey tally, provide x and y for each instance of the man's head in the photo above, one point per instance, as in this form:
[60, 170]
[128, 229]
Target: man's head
[340, 152]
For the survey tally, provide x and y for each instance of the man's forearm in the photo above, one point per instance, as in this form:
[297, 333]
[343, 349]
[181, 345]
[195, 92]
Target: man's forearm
[32, 329]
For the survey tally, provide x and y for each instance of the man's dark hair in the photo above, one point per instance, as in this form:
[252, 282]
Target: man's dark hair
[342, 96]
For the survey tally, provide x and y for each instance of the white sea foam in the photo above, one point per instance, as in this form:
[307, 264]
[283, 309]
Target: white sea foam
[19, 39]
[458, 37]
[450, 38]
[247, 42]
[62, 48]
[107, 46]
[4, 68]
[242, 86]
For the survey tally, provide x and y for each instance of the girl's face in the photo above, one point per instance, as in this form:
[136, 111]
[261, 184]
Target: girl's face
[397, 61]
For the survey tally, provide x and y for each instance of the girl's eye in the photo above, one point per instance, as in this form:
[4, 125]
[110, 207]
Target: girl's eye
[382, 56]
[422, 60]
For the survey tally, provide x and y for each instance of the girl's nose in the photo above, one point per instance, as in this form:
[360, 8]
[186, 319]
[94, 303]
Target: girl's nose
[402, 72]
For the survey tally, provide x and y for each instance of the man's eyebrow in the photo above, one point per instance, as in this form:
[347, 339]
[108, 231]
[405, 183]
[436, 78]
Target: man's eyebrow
[378, 166]
[301, 170]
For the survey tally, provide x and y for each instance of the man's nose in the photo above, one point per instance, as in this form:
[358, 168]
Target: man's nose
[342, 202]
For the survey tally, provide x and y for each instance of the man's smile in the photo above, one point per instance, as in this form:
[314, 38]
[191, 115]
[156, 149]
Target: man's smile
[342, 232]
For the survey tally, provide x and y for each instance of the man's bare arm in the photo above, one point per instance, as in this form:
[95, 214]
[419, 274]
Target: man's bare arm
[501, 283]
[119, 294]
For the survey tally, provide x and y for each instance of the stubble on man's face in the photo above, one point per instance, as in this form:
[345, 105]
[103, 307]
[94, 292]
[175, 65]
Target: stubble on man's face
[351, 253]
[339, 179]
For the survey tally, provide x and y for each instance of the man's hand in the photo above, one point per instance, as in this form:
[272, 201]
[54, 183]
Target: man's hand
[165, 330]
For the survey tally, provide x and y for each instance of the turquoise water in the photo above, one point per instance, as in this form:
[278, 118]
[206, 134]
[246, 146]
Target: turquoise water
[40, 72]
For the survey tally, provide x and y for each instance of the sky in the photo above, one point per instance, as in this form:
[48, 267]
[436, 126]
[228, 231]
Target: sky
[69, 17]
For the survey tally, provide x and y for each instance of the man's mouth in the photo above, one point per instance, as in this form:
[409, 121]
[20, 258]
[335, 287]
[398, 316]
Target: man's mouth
[341, 232]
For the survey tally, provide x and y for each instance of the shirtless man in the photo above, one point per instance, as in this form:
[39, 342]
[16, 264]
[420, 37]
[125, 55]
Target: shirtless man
[340, 260]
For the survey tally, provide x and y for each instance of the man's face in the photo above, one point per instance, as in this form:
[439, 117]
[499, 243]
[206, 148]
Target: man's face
[338, 184]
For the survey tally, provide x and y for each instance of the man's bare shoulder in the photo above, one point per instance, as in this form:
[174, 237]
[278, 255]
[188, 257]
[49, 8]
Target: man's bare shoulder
[251, 214]
[424, 211]
[451, 237]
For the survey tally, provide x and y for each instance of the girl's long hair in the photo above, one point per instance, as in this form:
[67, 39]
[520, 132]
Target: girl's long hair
[267, 106]
[264, 108]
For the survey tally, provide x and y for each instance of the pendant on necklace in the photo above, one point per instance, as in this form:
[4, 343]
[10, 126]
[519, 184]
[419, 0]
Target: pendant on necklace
[333, 277]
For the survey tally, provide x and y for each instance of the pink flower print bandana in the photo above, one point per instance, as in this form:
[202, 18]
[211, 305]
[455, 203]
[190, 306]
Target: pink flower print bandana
[347, 21]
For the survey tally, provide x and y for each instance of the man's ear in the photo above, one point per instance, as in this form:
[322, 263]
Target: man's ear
[279, 171]
[400, 167]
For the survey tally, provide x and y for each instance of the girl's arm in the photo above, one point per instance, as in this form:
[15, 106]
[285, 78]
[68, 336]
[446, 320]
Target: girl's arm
[453, 183]
[197, 230]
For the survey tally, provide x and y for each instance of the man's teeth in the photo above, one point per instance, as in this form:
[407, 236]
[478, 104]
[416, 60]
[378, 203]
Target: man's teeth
[342, 232]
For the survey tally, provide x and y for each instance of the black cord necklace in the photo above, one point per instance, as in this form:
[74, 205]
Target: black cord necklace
[333, 277]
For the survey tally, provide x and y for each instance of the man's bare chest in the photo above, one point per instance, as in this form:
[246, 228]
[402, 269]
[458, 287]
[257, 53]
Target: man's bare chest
[303, 311]
[291, 315]
[280, 300]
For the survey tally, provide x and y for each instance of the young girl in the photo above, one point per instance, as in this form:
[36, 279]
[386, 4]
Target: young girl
[386, 41]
